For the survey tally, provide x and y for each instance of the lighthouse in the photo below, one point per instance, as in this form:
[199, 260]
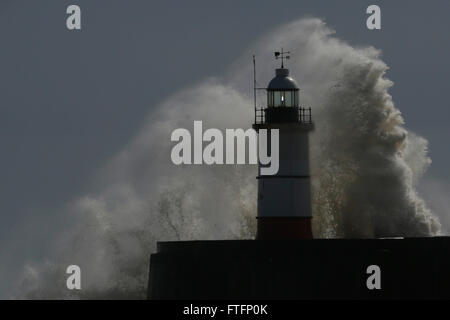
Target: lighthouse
[284, 199]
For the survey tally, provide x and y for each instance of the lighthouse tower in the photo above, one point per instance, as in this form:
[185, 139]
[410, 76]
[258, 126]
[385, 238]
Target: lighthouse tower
[284, 199]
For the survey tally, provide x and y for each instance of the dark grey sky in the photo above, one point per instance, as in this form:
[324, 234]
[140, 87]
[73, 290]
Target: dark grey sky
[70, 100]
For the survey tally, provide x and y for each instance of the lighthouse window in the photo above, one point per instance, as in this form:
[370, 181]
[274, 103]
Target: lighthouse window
[270, 98]
[287, 98]
[276, 99]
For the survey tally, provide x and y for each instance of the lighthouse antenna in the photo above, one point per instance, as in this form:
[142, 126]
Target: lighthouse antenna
[254, 84]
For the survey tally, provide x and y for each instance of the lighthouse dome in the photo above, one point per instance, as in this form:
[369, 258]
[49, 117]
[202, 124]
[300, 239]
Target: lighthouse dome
[282, 81]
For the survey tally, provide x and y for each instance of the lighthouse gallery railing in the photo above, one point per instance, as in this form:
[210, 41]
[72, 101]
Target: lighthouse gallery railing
[303, 115]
